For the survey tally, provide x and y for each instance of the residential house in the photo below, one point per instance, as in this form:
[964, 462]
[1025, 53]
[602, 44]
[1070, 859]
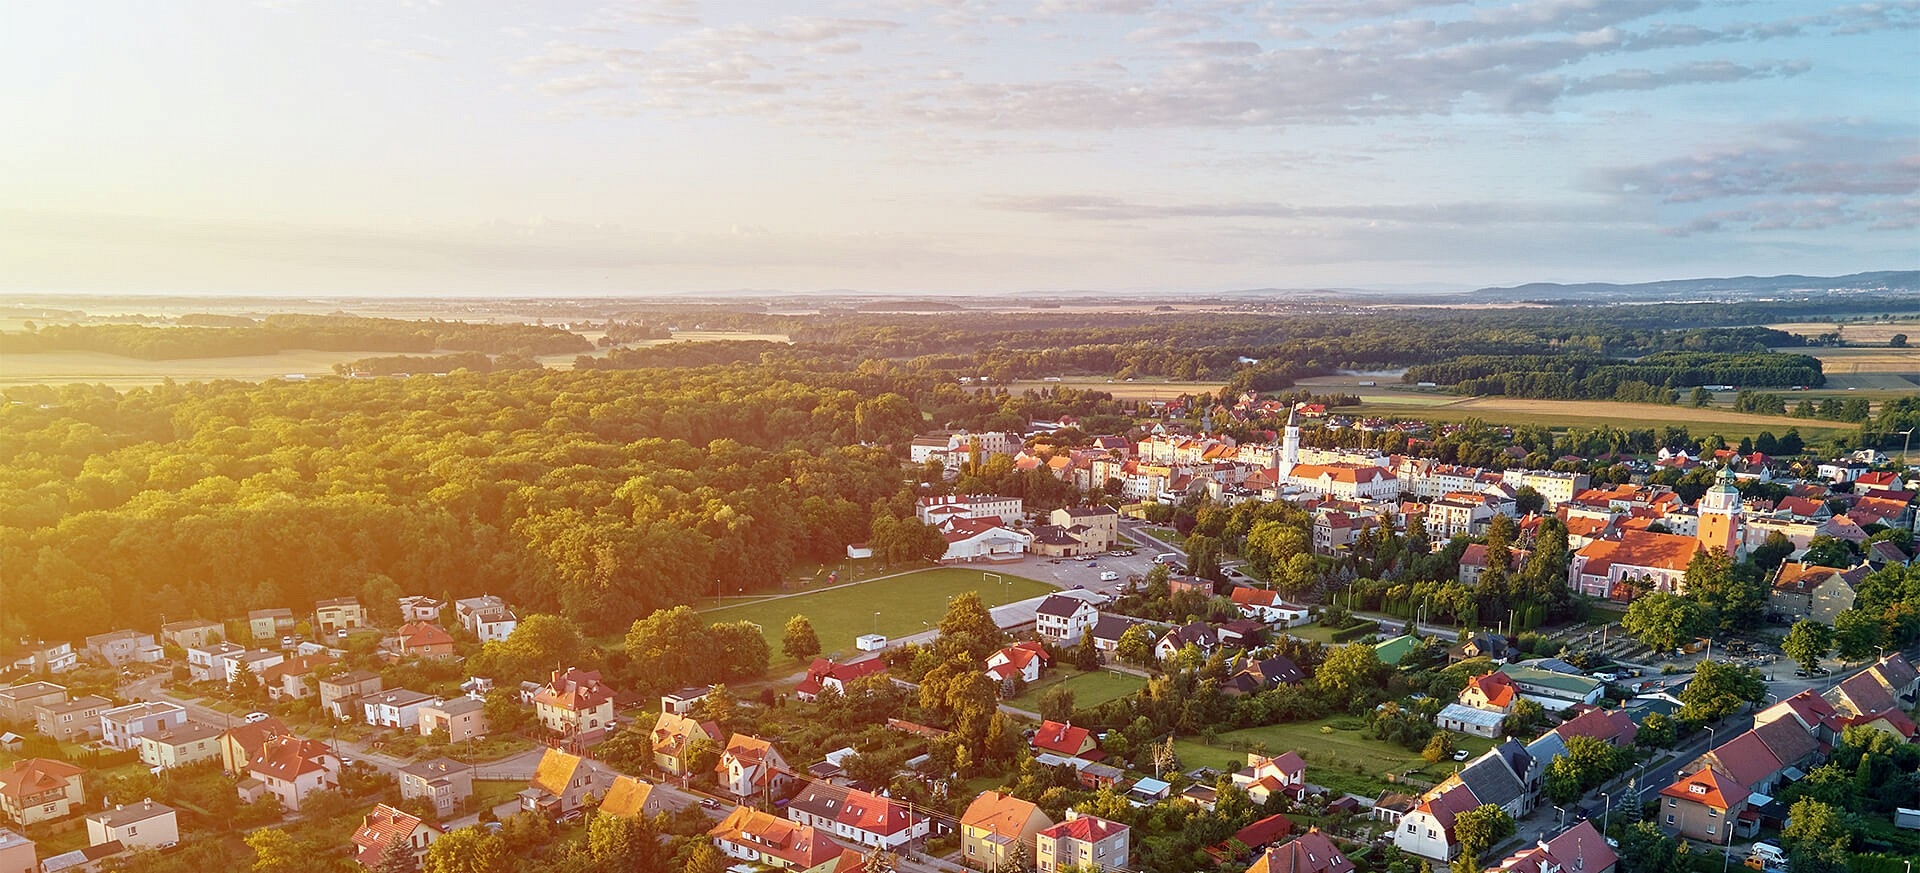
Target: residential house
[486, 617]
[419, 607]
[445, 783]
[1611, 726]
[1108, 630]
[1310, 852]
[291, 768]
[1897, 676]
[1263, 674]
[857, 816]
[45, 657]
[1812, 591]
[751, 767]
[1263, 777]
[1470, 720]
[386, 832]
[1460, 513]
[1082, 842]
[1258, 836]
[1498, 777]
[753, 836]
[1195, 633]
[18, 703]
[825, 673]
[423, 639]
[1266, 607]
[1745, 760]
[1872, 690]
[17, 853]
[116, 648]
[1578, 849]
[1064, 739]
[1427, 831]
[338, 614]
[76, 720]
[1148, 791]
[253, 662]
[1794, 748]
[34, 790]
[295, 679]
[1493, 692]
[562, 783]
[123, 726]
[268, 625]
[1102, 524]
[1062, 620]
[191, 633]
[399, 708]
[243, 744]
[208, 662]
[628, 797]
[1473, 562]
[460, 719]
[1474, 645]
[1021, 661]
[677, 739]
[143, 825]
[340, 695]
[994, 825]
[575, 704]
[682, 702]
[190, 743]
[1702, 806]
[1811, 712]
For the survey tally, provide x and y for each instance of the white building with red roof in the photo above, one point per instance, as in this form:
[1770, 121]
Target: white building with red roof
[826, 673]
[1064, 739]
[1493, 691]
[1427, 831]
[1310, 852]
[1578, 849]
[856, 816]
[982, 539]
[751, 835]
[1263, 776]
[575, 704]
[752, 768]
[1082, 842]
[291, 768]
[938, 510]
[1021, 660]
[385, 827]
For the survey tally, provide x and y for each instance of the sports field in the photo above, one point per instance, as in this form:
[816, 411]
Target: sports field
[904, 605]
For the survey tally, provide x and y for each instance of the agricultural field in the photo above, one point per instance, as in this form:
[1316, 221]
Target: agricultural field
[60, 368]
[906, 604]
[1089, 689]
[1561, 414]
[1851, 333]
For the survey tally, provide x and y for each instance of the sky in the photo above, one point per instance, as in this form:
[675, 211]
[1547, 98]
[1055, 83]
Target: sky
[488, 147]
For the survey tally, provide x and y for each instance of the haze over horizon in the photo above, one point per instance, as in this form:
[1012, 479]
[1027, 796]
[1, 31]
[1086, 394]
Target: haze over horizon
[307, 148]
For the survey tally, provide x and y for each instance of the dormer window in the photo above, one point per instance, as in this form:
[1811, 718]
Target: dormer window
[1697, 788]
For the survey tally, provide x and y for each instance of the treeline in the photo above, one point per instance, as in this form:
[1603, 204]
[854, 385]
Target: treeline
[619, 332]
[281, 332]
[598, 496]
[1654, 378]
[688, 354]
[391, 365]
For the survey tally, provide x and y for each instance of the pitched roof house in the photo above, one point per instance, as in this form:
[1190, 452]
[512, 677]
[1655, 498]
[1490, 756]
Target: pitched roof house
[825, 673]
[1492, 691]
[994, 824]
[561, 784]
[1082, 842]
[1263, 675]
[424, 638]
[1061, 619]
[751, 835]
[1811, 712]
[383, 829]
[1021, 660]
[1578, 849]
[1611, 726]
[1263, 776]
[575, 704]
[1064, 740]
[751, 767]
[1702, 805]
[292, 768]
[1812, 591]
[1310, 852]
[628, 797]
[857, 816]
[241, 744]
[677, 739]
[40, 789]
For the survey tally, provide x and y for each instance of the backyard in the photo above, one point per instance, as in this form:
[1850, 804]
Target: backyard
[896, 606]
[1089, 689]
[1333, 748]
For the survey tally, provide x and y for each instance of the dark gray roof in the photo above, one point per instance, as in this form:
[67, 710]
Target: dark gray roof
[1059, 606]
[823, 799]
[1111, 626]
[1491, 781]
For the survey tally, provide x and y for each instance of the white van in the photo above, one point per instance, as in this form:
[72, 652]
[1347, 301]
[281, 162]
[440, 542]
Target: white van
[1167, 558]
[1770, 856]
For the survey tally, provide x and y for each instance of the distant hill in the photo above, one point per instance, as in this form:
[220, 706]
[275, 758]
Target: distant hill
[1736, 288]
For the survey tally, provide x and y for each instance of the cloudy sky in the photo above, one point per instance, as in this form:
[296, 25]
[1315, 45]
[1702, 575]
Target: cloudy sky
[488, 146]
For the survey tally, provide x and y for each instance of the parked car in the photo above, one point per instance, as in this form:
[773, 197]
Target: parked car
[709, 803]
[1109, 576]
[257, 716]
[1462, 755]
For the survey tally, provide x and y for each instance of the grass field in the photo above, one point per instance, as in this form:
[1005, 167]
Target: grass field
[1875, 334]
[1089, 689]
[1593, 414]
[1331, 755]
[906, 605]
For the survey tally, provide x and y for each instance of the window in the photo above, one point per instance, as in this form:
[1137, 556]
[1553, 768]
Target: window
[1430, 833]
[1671, 803]
[1411, 829]
[133, 830]
[1669, 818]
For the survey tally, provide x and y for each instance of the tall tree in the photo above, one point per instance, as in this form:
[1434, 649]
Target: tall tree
[799, 641]
[969, 628]
[1807, 642]
[1661, 620]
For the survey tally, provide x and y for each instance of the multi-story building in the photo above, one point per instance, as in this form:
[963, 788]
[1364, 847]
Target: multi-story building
[751, 767]
[462, 719]
[76, 720]
[340, 695]
[269, 625]
[191, 633]
[996, 826]
[856, 816]
[291, 768]
[18, 703]
[575, 704]
[116, 648]
[399, 708]
[189, 743]
[385, 832]
[1082, 842]
[1702, 805]
[143, 825]
[419, 607]
[1639, 561]
[445, 783]
[242, 744]
[45, 657]
[123, 726]
[756, 837]
[486, 617]
[338, 614]
[208, 662]
[1062, 620]
[1554, 488]
[1812, 591]
[1006, 510]
[40, 789]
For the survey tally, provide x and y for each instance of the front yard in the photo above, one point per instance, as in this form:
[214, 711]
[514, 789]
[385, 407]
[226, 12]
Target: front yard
[1089, 689]
[1334, 748]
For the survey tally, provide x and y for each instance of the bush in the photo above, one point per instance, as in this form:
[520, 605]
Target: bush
[1353, 632]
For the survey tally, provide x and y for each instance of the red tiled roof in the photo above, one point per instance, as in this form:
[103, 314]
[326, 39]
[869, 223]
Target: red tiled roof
[823, 668]
[378, 830]
[1607, 725]
[1311, 852]
[423, 634]
[1086, 829]
[1716, 789]
[1497, 686]
[1264, 832]
[574, 690]
[287, 758]
[1061, 739]
[33, 776]
[796, 844]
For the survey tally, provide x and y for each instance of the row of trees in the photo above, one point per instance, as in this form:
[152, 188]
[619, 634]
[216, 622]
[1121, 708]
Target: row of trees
[282, 332]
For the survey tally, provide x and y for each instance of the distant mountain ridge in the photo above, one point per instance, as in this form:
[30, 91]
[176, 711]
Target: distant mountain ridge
[1733, 288]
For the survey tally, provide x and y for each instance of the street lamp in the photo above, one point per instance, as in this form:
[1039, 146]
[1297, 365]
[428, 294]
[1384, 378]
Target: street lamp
[1908, 433]
[1606, 811]
[876, 621]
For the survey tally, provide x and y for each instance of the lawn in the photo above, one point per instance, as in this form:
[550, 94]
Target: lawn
[1332, 756]
[904, 605]
[1089, 689]
[489, 793]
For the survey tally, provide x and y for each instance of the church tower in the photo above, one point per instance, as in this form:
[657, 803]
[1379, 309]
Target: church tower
[1290, 445]
[1721, 524]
